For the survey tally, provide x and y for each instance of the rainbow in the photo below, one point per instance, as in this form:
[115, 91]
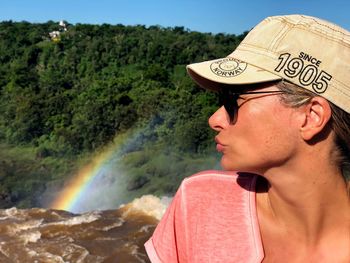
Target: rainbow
[72, 195]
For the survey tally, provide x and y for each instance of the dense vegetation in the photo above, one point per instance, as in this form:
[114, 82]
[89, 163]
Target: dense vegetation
[69, 95]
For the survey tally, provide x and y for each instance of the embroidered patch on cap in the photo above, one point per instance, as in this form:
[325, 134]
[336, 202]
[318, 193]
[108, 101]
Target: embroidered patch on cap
[304, 70]
[228, 67]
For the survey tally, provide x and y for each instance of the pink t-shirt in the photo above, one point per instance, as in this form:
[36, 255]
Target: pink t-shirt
[212, 218]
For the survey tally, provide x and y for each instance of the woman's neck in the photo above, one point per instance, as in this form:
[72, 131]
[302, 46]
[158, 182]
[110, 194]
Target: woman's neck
[309, 201]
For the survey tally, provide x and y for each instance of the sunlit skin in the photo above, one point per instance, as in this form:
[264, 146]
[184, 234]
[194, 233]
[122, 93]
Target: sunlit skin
[258, 138]
[302, 207]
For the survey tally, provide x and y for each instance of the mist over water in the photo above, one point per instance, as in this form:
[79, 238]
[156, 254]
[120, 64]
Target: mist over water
[107, 182]
[104, 186]
[104, 191]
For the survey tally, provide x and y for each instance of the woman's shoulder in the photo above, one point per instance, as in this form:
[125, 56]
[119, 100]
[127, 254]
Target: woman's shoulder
[217, 180]
[217, 193]
[212, 213]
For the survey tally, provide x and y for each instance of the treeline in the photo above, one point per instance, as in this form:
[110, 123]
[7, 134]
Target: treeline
[73, 92]
[66, 95]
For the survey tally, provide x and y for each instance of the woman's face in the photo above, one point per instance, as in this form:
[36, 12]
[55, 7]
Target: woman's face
[263, 136]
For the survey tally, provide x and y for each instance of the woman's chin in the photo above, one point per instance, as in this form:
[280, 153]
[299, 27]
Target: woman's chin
[228, 165]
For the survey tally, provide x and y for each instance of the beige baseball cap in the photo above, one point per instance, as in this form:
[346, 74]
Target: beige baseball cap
[307, 51]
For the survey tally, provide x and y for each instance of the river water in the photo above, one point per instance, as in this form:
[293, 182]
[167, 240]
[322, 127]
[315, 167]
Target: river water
[40, 235]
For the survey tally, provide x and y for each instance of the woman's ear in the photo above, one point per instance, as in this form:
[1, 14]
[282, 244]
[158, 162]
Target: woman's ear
[317, 114]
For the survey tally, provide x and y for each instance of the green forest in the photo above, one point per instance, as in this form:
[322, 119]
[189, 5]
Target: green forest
[65, 95]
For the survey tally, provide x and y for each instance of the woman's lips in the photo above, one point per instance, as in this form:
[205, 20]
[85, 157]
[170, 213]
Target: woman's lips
[219, 146]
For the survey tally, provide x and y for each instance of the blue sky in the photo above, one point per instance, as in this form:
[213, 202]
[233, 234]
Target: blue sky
[225, 16]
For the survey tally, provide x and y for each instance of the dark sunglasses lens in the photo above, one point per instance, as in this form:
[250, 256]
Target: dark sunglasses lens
[229, 101]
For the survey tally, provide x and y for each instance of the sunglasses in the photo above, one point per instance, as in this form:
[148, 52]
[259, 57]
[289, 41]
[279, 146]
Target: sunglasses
[228, 98]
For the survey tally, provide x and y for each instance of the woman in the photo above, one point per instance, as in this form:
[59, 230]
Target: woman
[285, 125]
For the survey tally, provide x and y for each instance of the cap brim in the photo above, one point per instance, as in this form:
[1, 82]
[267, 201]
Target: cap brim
[214, 74]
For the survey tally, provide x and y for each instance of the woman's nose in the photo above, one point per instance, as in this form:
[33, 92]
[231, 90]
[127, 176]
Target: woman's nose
[219, 119]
